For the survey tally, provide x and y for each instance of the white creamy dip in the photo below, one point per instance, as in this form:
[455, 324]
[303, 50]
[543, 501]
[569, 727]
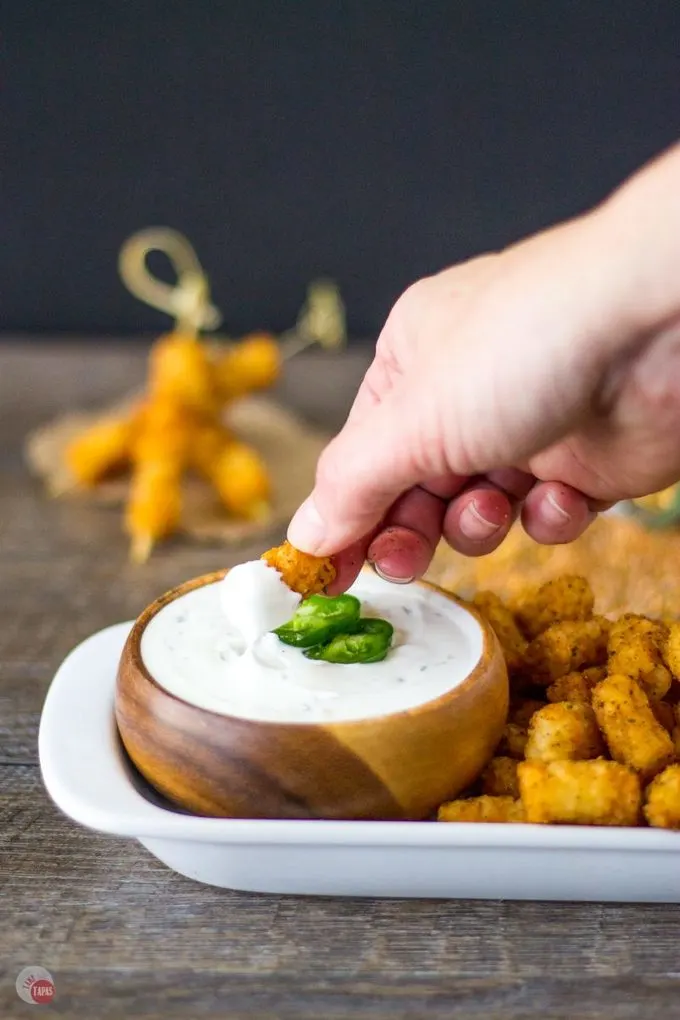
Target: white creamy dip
[196, 652]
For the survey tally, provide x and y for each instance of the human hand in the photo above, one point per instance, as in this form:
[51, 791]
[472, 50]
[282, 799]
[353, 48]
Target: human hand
[543, 382]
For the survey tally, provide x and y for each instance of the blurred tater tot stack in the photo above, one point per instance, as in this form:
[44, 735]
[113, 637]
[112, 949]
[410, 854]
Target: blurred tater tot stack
[593, 730]
[177, 426]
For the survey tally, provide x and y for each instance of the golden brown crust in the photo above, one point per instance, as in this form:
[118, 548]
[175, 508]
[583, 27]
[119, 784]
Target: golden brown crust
[662, 807]
[305, 574]
[482, 809]
[579, 793]
[499, 778]
[564, 731]
[501, 618]
[568, 597]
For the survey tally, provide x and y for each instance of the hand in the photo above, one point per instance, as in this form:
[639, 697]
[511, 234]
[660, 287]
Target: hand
[543, 382]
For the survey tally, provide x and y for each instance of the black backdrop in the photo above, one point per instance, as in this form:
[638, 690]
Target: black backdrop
[374, 141]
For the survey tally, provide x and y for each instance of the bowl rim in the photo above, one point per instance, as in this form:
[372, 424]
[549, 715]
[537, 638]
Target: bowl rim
[133, 647]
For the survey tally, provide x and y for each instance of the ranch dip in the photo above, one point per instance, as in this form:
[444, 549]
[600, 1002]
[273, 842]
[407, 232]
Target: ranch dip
[230, 662]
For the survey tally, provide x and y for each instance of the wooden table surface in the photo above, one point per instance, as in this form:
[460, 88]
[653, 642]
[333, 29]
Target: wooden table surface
[125, 937]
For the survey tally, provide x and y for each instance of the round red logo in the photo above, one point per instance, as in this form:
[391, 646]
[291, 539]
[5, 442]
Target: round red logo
[35, 986]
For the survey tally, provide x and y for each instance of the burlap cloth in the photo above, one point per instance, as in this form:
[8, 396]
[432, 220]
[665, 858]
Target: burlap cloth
[289, 447]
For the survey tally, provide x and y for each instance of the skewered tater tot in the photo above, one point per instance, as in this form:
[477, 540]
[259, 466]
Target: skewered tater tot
[513, 741]
[566, 647]
[499, 778]
[629, 726]
[482, 809]
[252, 364]
[307, 575]
[102, 449]
[566, 731]
[510, 638]
[579, 792]
[576, 686]
[662, 807]
[210, 438]
[154, 506]
[240, 478]
[635, 649]
[568, 597]
[180, 371]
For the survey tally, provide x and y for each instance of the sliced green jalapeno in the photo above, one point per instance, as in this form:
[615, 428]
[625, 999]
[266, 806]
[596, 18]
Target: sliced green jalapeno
[369, 641]
[318, 619]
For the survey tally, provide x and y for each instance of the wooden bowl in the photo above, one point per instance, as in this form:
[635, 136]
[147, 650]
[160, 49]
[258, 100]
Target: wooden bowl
[397, 766]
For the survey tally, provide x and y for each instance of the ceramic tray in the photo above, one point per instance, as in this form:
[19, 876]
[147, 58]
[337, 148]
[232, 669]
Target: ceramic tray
[89, 777]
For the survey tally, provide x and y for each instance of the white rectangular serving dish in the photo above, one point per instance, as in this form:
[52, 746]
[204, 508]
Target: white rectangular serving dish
[89, 777]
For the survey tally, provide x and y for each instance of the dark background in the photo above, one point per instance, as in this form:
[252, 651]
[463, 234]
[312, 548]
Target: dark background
[373, 141]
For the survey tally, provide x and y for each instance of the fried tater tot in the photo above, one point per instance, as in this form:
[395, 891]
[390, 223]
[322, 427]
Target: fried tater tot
[154, 506]
[632, 733]
[482, 809]
[180, 371]
[254, 363]
[635, 648]
[662, 807]
[510, 638]
[307, 575]
[499, 778]
[576, 686]
[521, 711]
[565, 731]
[240, 478]
[100, 450]
[513, 741]
[566, 647]
[579, 792]
[568, 597]
[671, 649]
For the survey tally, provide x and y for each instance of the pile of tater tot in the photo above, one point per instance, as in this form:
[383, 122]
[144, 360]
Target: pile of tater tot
[593, 730]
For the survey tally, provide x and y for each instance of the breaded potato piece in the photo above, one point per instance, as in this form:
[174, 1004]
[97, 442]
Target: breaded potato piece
[513, 741]
[522, 710]
[662, 806]
[577, 686]
[499, 778]
[566, 647]
[510, 638]
[568, 597]
[579, 792]
[632, 733]
[564, 731]
[482, 809]
[671, 649]
[305, 574]
[635, 648]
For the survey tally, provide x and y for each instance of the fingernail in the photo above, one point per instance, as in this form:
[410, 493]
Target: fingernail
[307, 529]
[388, 577]
[474, 526]
[554, 514]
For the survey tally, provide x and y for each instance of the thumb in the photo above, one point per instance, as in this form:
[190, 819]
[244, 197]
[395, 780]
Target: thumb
[360, 474]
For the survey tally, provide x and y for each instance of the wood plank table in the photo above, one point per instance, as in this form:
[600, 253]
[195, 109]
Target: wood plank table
[125, 937]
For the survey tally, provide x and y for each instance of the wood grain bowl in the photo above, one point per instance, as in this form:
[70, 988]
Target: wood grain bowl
[391, 767]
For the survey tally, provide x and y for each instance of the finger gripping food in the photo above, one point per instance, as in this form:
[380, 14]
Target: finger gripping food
[579, 793]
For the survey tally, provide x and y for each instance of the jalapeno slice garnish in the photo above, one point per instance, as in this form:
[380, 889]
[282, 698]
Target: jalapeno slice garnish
[318, 619]
[369, 641]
